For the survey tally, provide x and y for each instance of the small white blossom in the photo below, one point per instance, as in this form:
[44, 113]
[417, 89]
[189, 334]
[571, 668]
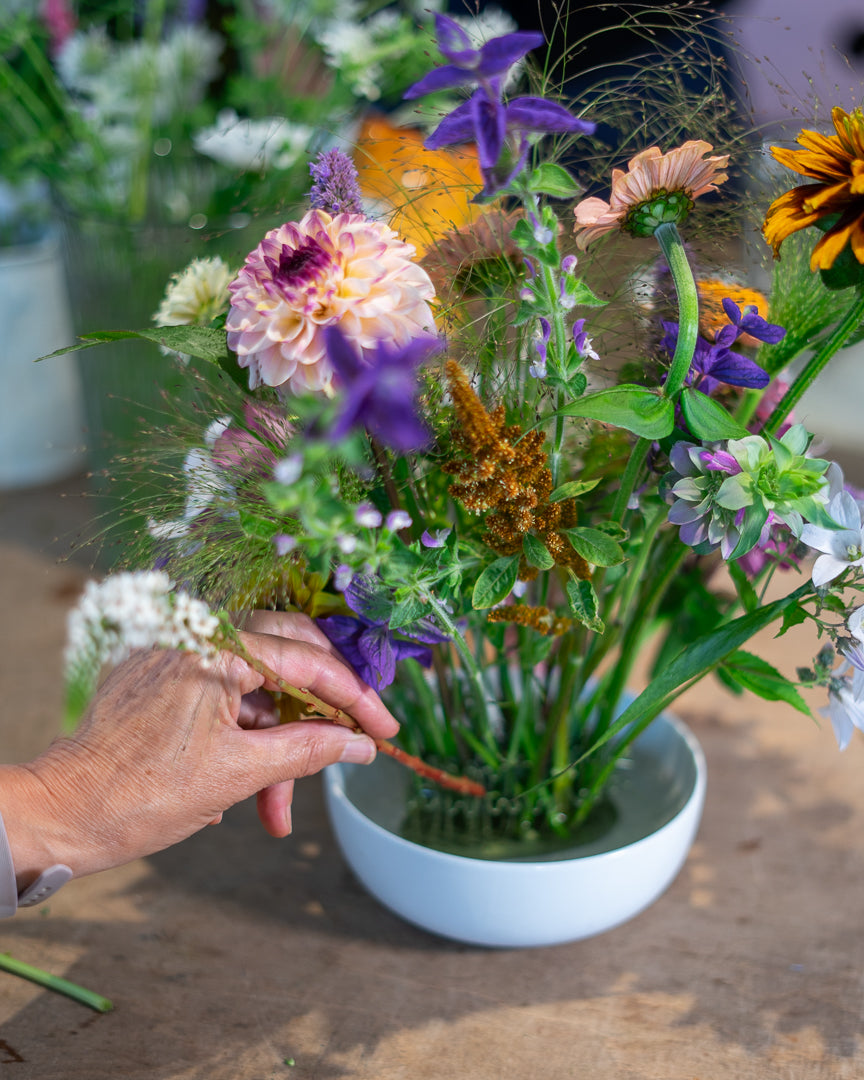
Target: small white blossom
[289, 470]
[135, 611]
[842, 547]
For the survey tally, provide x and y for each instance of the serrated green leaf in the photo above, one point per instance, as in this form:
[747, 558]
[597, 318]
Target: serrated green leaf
[707, 419]
[202, 342]
[584, 604]
[595, 546]
[792, 616]
[760, 678]
[551, 179]
[584, 297]
[572, 489]
[634, 408]
[406, 612]
[495, 583]
[536, 552]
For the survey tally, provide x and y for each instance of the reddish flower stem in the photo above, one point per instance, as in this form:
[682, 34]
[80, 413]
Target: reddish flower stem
[455, 783]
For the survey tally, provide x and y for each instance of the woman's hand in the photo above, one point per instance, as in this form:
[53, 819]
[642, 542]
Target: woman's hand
[166, 747]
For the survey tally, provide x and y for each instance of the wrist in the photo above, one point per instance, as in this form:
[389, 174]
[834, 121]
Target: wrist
[33, 838]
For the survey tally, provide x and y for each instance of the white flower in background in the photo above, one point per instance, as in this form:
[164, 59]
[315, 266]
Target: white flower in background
[842, 547]
[272, 142]
[196, 295]
[189, 62]
[347, 45]
[83, 59]
[135, 611]
[205, 483]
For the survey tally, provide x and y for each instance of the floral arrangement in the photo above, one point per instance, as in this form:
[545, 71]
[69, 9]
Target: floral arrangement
[426, 457]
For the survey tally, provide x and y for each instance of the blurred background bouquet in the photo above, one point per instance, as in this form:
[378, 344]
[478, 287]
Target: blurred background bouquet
[501, 462]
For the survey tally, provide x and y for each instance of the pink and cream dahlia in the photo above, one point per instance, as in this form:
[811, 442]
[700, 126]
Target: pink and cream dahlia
[313, 273]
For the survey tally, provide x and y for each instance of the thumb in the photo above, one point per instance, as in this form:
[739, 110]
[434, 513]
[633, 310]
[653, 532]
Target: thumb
[301, 748]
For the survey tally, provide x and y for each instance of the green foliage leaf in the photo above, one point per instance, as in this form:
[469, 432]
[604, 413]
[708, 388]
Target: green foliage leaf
[572, 489]
[202, 342]
[407, 611]
[692, 663]
[759, 677]
[707, 419]
[256, 527]
[536, 552]
[582, 296]
[743, 585]
[584, 605]
[551, 179]
[496, 582]
[792, 616]
[634, 408]
[595, 546]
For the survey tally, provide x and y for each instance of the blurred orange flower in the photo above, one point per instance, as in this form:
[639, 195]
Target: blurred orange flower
[428, 192]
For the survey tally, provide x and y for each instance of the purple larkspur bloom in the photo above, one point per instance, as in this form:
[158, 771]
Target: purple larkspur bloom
[487, 121]
[751, 322]
[366, 640]
[717, 363]
[379, 393]
[335, 186]
[469, 65]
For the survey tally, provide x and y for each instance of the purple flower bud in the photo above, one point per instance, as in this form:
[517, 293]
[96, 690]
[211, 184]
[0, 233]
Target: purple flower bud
[396, 520]
[436, 539]
[720, 461]
[568, 264]
[343, 577]
[284, 543]
[367, 517]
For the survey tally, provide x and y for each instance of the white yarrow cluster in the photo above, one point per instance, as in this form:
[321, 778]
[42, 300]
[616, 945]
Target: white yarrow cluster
[135, 611]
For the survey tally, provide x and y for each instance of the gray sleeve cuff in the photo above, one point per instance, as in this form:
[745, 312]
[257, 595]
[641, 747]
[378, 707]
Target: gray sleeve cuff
[48, 882]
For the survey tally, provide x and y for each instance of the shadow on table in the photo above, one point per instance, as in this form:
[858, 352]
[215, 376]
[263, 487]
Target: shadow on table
[248, 941]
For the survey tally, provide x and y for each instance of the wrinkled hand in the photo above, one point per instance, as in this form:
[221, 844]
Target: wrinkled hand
[166, 746]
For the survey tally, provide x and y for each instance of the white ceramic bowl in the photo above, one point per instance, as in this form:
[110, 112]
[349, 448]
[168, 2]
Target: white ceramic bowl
[544, 901]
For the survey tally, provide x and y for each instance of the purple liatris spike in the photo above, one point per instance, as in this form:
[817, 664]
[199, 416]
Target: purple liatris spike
[335, 187]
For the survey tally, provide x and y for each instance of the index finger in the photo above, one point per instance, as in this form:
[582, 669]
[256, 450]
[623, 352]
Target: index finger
[307, 665]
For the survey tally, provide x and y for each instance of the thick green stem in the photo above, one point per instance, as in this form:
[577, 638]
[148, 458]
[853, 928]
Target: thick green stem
[54, 982]
[672, 246]
[850, 322]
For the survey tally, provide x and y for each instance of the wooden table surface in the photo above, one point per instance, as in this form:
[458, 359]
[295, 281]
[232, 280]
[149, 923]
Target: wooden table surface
[234, 954]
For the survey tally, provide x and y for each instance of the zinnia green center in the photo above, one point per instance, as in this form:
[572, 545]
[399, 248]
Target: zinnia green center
[665, 206]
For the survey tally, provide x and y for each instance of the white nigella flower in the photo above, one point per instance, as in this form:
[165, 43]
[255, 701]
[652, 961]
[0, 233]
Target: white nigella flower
[189, 62]
[272, 142]
[345, 46]
[845, 709]
[842, 547]
[135, 611]
[196, 295]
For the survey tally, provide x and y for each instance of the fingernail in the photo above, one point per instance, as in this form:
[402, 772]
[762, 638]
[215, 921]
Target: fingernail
[358, 750]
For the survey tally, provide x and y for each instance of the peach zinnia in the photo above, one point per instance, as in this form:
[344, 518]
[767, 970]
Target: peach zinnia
[656, 188]
[310, 274]
[836, 163]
